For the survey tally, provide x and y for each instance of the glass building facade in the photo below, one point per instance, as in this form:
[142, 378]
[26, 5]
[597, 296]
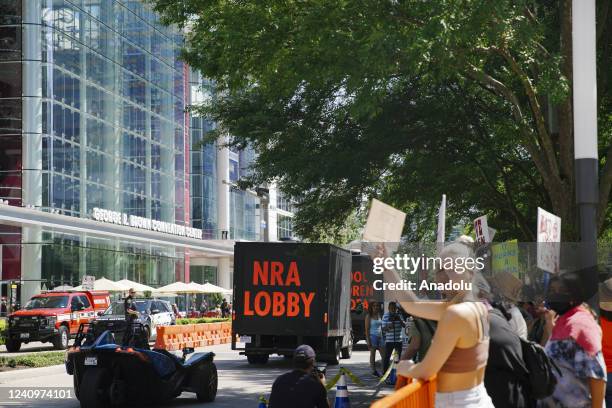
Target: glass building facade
[92, 114]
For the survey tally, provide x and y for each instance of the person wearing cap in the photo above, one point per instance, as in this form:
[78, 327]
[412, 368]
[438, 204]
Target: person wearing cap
[131, 314]
[605, 305]
[301, 388]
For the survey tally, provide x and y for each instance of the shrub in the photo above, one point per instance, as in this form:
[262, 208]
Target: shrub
[34, 360]
[202, 320]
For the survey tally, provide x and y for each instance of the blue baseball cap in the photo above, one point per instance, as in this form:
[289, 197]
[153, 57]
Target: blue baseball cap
[304, 352]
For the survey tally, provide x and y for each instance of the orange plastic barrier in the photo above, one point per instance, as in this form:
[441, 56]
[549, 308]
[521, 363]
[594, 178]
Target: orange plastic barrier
[408, 394]
[193, 335]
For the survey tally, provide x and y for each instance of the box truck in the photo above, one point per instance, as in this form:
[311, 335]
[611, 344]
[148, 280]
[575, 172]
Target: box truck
[287, 294]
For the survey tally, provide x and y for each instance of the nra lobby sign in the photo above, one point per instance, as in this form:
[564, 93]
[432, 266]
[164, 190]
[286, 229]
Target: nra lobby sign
[120, 218]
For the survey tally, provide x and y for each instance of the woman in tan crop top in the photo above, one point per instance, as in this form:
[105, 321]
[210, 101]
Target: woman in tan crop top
[459, 349]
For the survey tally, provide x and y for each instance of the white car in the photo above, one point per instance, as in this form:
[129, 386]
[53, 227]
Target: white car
[152, 313]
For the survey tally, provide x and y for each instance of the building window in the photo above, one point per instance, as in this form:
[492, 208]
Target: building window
[284, 227]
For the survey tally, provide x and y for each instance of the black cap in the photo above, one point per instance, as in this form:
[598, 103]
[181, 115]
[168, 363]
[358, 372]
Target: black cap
[304, 352]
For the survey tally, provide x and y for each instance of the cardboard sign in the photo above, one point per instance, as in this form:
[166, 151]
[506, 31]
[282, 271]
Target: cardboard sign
[481, 229]
[385, 223]
[505, 257]
[88, 282]
[549, 238]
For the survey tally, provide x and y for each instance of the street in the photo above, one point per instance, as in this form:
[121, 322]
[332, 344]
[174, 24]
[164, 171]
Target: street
[240, 384]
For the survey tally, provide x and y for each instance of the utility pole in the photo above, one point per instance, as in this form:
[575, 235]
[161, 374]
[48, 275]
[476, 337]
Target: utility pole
[585, 133]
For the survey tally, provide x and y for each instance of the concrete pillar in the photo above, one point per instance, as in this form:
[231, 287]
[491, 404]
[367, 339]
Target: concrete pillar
[224, 273]
[271, 222]
[31, 253]
[223, 192]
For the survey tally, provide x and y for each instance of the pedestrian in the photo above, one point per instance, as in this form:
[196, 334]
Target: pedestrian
[421, 333]
[605, 305]
[224, 308]
[392, 326]
[175, 310]
[459, 350]
[537, 331]
[509, 288]
[131, 314]
[203, 306]
[506, 375]
[304, 387]
[373, 334]
[575, 345]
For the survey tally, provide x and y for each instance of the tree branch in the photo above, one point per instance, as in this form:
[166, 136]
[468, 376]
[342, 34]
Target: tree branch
[502, 90]
[538, 116]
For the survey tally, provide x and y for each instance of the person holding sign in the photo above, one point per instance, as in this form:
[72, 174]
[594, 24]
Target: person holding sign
[459, 350]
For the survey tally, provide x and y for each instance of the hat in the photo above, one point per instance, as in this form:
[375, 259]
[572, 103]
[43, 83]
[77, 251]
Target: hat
[304, 352]
[605, 295]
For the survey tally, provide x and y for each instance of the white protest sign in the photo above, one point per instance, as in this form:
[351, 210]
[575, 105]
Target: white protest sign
[88, 282]
[481, 229]
[549, 238]
[384, 224]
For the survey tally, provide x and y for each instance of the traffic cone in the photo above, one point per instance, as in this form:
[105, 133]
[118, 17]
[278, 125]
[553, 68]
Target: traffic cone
[262, 402]
[342, 398]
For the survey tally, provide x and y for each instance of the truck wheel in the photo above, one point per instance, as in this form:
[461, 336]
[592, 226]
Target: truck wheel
[94, 389]
[60, 342]
[207, 382]
[258, 358]
[13, 345]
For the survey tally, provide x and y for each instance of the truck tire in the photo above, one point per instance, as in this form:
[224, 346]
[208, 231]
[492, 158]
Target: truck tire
[60, 342]
[94, 389]
[207, 382]
[13, 345]
[257, 358]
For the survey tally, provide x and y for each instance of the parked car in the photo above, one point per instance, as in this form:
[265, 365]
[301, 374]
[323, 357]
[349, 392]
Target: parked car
[54, 317]
[152, 313]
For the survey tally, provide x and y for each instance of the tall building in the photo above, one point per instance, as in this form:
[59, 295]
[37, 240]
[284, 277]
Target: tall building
[102, 169]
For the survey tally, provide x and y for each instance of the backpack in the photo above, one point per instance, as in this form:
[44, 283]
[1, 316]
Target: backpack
[541, 378]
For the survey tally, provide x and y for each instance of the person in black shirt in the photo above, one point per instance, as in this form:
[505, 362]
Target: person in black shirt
[302, 387]
[506, 374]
[131, 314]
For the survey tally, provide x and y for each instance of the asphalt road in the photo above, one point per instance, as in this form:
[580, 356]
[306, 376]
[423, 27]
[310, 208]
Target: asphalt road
[240, 384]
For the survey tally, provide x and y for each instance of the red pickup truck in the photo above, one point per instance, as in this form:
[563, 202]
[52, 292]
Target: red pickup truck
[54, 317]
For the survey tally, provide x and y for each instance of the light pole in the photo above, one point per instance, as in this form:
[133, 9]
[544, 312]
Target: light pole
[585, 132]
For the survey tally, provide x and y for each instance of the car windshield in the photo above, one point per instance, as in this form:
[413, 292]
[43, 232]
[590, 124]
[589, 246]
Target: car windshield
[116, 308]
[47, 302]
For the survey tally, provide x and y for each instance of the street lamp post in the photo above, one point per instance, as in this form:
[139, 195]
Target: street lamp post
[585, 131]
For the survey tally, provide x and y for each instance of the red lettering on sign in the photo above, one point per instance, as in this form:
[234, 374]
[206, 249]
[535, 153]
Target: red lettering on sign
[278, 304]
[307, 299]
[293, 277]
[357, 276]
[258, 309]
[293, 307]
[277, 270]
[260, 273]
[247, 306]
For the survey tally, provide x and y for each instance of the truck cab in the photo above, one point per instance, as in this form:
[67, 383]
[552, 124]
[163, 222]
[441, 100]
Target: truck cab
[54, 317]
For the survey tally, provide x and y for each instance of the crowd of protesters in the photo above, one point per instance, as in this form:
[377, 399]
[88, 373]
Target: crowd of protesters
[481, 345]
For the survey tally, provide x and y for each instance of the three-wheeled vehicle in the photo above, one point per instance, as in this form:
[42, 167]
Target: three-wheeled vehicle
[107, 374]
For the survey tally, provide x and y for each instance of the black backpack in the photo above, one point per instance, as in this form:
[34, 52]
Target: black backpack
[541, 378]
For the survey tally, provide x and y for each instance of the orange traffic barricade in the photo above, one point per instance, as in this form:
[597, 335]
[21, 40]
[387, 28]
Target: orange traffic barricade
[410, 394]
[193, 335]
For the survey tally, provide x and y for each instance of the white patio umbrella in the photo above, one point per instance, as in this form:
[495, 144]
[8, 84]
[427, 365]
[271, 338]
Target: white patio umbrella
[210, 288]
[179, 288]
[138, 287]
[62, 288]
[105, 284]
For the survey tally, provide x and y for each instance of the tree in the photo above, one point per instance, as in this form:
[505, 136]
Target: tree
[404, 100]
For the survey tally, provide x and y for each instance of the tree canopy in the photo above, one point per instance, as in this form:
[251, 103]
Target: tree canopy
[403, 100]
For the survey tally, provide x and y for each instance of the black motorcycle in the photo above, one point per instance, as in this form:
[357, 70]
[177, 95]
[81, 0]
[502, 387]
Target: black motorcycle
[107, 374]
